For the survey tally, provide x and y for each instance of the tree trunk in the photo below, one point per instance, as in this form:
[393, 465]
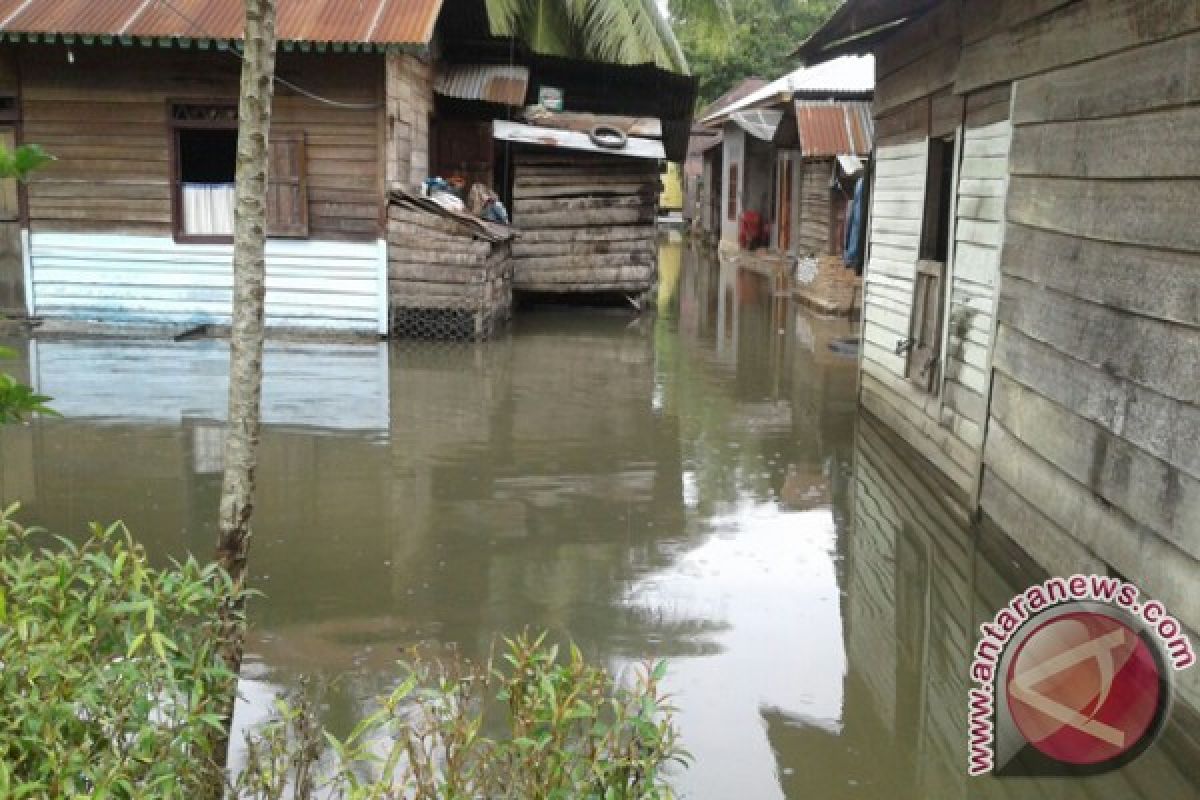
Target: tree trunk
[246, 335]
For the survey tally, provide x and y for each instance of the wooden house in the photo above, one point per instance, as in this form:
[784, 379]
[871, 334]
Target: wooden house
[752, 163]
[705, 157]
[132, 224]
[823, 150]
[1031, 323]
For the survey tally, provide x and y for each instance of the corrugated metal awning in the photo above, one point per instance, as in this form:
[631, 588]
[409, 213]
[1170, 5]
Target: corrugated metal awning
[573, 140]
[492, 84]
[833, 129]
[374, 22]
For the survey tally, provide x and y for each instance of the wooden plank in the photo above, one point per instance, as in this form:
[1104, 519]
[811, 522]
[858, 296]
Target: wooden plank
[646, 191]
[989, 106]
[1146, 488]
[904, 125]
[559, 262]
[1162, 426]
[1156, 76]
[591, 234]
[522, 249]
[1164, 144]
[922, 78]
[1163, 570]
[1165, 285]
[580, 204]
[1071, 33]
[930, 440]
[583, 219]
[522, 276]
[1147, 212]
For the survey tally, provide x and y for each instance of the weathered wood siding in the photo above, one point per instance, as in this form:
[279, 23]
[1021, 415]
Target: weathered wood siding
[1072, 346]
[915, 100]
[105, 117]
[811, 227]
[1095, 414]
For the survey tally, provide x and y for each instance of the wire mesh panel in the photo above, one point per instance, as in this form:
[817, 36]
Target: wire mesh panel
[446, 279]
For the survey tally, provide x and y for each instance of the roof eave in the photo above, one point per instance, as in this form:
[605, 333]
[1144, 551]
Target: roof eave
[848, 33]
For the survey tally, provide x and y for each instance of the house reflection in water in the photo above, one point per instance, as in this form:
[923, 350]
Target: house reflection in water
[919, 581]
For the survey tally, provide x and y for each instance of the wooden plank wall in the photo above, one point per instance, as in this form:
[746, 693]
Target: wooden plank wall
[811, 230]
[916, 98]
[1095, 420]
[105, 118]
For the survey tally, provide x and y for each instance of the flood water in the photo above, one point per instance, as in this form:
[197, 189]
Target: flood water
[695, 485]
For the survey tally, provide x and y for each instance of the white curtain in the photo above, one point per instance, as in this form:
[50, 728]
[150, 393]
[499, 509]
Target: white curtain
[208, 209]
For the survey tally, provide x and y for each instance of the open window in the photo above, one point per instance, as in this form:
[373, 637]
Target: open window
[924, 356]
[204, 167]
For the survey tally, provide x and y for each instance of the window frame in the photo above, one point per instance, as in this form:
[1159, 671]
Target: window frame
[174, 126]
[930, 272]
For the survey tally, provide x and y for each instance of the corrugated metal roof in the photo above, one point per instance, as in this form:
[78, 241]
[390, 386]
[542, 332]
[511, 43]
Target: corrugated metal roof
[345, 21]
[834, 129]
[848, 75]
[493, 84]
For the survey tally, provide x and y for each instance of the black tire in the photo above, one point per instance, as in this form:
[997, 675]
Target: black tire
[608, 137]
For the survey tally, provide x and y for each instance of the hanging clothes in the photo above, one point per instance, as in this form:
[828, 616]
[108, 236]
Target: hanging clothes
[856, 228]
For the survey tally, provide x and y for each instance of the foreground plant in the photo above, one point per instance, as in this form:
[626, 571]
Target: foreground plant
[561, 729]
[18, 401]
[109, 687]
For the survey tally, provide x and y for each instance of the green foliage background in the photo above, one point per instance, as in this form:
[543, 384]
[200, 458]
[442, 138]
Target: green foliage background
[758, 41]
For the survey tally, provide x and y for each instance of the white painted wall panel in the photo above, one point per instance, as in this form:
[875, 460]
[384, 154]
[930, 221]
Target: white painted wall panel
[110, 278]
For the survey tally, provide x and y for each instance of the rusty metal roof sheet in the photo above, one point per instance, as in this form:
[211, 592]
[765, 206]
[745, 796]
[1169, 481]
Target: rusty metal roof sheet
[493, 84]
[833, 129]
[376, 22]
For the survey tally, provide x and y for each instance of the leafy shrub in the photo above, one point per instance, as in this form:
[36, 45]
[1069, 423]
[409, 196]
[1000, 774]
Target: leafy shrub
[568, 730]
[17, 400]
[109, 686]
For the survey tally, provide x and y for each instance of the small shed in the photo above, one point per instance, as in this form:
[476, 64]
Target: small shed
[449, 272]
[586, 212]
[822, 150]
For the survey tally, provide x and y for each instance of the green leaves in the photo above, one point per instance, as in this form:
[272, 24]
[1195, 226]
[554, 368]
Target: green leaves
[562, 729]
[617, 31]
[18, 401]
[23, 161]
[109, 687]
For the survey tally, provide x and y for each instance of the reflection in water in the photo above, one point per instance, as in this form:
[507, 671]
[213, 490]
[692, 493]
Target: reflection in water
[694, 485]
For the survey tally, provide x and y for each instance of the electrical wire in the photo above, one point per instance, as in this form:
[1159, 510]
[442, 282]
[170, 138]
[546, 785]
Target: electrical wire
[221, 45]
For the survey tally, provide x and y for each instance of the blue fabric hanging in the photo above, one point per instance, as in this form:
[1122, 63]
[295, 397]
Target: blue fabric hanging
[855, 244]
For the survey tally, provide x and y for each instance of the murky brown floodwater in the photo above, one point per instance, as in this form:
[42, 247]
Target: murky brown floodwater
[695, 485]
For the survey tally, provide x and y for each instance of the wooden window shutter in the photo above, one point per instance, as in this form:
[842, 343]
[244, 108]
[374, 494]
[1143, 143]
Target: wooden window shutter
[926, 330]
[287, 186]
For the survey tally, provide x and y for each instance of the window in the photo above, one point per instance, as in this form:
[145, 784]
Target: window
[204, 165]
[925, 334]
[733, 193]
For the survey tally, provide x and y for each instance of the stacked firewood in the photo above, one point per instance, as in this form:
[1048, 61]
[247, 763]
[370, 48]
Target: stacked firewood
[586, 221]
[449, 273]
